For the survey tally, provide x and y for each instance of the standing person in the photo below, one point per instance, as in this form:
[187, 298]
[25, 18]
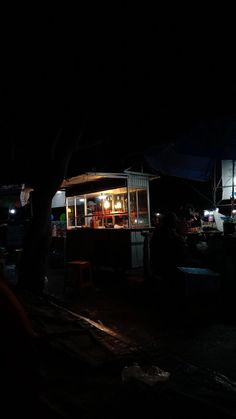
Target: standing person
[90, 210]
[195, 221]
[168, 248]
[25, 201]
[184, 217]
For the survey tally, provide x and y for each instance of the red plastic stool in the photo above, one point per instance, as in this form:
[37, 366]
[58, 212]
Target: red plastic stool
[79, 273]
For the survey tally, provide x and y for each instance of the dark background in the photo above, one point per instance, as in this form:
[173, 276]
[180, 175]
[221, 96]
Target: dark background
[125, 78]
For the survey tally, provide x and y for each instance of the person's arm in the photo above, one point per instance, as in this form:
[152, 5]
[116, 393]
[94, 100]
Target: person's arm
[13, 316]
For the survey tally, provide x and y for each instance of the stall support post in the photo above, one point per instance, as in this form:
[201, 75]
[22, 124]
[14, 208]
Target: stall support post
[232, 199]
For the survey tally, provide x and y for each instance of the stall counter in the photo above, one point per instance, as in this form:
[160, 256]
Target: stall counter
[114, 248]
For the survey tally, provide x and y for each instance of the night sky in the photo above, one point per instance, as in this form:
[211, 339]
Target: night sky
[126, 78]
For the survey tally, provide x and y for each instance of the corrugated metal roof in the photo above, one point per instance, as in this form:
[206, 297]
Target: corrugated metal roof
[95, 176]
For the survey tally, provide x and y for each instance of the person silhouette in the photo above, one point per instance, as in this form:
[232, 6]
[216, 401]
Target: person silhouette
[168, 248]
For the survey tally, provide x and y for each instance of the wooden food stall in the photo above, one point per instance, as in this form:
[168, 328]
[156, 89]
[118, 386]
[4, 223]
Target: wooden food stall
[107, 215]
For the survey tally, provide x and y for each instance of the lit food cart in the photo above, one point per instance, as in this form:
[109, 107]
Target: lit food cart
[107, 215]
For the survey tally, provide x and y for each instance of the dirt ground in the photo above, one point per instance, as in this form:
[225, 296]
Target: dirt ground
[201, 329]
[86, 340]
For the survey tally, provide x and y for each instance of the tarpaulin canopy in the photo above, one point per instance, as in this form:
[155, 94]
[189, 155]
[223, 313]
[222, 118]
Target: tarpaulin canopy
[166, 160]
[194, 153]
[214, 139]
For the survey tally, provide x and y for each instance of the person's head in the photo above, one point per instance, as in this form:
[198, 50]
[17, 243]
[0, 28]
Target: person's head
[91, 205]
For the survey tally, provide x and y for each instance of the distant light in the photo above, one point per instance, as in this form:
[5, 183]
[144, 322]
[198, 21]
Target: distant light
[12, 211]
[207, 212]
[81, 200]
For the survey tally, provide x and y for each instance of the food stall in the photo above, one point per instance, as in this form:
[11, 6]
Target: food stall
[107, 215]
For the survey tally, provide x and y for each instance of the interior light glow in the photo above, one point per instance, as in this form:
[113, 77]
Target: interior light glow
[106, 204]
[102, 196]
[118, 205]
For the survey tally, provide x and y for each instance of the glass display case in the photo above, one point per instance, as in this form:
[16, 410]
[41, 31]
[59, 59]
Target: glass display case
[106, 216]
[119, 207]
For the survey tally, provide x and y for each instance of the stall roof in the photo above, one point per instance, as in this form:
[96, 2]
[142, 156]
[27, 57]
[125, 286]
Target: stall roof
[96, 176]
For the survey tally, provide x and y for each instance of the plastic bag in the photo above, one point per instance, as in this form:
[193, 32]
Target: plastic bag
[149, 376]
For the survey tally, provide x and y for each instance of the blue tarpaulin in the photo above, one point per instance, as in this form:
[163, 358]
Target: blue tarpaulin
[194, 152]
[166, 160]
[214, 139]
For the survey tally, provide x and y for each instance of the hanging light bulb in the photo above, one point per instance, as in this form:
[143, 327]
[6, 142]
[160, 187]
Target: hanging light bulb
[106, 204]
[118, 205]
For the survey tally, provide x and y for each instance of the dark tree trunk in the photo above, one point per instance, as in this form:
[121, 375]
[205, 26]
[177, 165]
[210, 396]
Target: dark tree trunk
[33, 263]
[32, 268]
